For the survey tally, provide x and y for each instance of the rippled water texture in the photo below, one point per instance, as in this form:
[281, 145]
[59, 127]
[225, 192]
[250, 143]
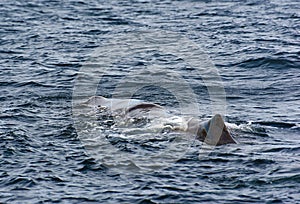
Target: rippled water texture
[253, 44]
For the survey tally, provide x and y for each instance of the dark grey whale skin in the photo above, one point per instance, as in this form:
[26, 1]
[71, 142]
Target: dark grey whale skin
[212, 132]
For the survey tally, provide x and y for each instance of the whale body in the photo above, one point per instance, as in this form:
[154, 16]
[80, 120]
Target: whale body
[212, 132]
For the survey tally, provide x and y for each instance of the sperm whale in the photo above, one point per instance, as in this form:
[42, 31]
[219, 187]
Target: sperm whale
[212, 131]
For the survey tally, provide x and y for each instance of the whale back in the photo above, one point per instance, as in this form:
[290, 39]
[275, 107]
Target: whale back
[126, 107]
[213, 131]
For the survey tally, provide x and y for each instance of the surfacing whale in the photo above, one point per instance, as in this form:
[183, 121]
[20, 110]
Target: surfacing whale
[212, 132]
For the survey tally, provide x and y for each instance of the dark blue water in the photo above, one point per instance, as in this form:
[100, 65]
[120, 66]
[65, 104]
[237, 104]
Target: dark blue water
[253, 44]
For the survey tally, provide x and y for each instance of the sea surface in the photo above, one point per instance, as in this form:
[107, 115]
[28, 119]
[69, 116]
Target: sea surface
[249, 58]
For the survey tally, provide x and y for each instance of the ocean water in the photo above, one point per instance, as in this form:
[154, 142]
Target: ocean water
[240, 58]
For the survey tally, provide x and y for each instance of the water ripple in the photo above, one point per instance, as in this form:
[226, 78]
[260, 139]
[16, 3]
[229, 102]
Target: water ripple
[255, 46]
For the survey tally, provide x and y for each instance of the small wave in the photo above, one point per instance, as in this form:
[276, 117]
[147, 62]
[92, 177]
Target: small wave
[268, 62]
[33, 84]
[247, 128]
[63, 65]
[260, 126]
[115, 21]
[275, 124]
[15, 142]
[22, 182]
[284, 148]
[90, 165]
